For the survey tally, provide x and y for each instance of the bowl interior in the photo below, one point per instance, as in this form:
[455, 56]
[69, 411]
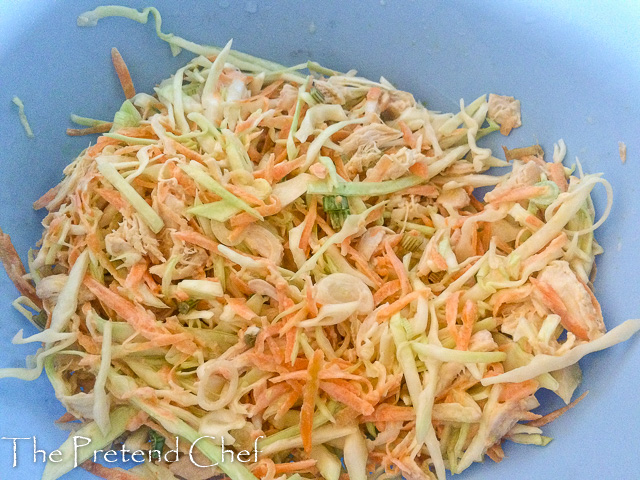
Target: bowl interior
[575, 68]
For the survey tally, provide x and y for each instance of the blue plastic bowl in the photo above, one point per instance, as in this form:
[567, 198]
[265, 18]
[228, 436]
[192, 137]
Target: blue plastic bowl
[574, 65]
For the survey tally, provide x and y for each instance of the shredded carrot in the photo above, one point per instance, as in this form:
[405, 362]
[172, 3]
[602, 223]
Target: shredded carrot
[484, 238]
[100, 145]
[451, 314]
[312, 306]
[131, 149]
[391, 413]
[374, 93]
[438, 260]
[496, 453]
[269, 396]
[47, 198]
[66, 418]
[422, 190]
[398, 305]
[239, 306]
[421, 169]
[398, 268]
[245, 218]
[550, 417]
[136, 316]
[267, 171]
[244, 195]
[240, 284]
[291, 337]
[265, 92]
[15, 269]
[554, 302]
[123, 73]
[469, 317]
[475, 203]
[340, 170]
[78, 132]
[181, 149]
[363, 265]
[407, 135]
[115, 199]
[309, 398]
[198, 239]
[516, 194]
[143, 131]
[280, 170]
[151, 283]
[557, 176]
[310, 221]
[289, 401]
[341, 393]
[136, 274]
[517, 391]
[554, 246]
[388, 289]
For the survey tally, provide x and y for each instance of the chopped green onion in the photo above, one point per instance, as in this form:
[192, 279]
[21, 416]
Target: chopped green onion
[412, 241]
[157, 444]
[337, 208]
[186, 306]
[317, 95]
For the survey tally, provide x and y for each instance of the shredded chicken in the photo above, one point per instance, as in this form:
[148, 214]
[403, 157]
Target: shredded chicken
[505, 111]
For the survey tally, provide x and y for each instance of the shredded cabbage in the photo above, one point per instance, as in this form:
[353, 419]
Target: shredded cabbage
[547, 363]
[23, 117]
[259, 249]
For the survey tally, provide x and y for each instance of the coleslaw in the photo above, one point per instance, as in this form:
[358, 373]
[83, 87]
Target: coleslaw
[256, 252]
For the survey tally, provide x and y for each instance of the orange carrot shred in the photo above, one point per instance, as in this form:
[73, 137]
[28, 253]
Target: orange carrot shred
[496, 453]
[78, 132]
[340, 392]
[15, 269]
[309, 398]
[308, 226]
[136, 274]
[398, 305]
[100, 145]
[398, 267]
[518, 391]
[451, 314]
[469, 316]
[550, 417]
[388, 289]
[123, 73]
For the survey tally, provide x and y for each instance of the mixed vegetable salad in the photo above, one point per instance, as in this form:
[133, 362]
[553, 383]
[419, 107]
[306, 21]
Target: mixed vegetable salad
[259, 253]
